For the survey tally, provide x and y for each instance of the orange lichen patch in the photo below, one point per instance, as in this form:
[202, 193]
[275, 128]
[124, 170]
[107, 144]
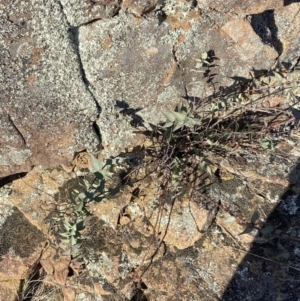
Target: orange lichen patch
[36, 54]
[88, 37]
[107, 42]
[176, 23]
[269, 52]
[246, 40]
[138, 20]
[194, 15]
[31, 80]
[24, 186]
[169, 74]
[69, 293]
[238, 31]
[181, 38]
[9, 289]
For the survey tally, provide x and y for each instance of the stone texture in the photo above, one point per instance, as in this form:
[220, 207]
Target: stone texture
[131, 60]
[82, 12]
[241, 7]
[9, 289]
[287, 20]
[64, 62]
[46, 110]
[21, 245]
[118, 243]
[83, 52]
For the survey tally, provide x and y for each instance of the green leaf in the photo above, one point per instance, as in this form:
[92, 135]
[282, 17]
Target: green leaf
[107, 174]
[167, 125]
[169, 116]
[294, 87]
[79, 207]
[248, 229]
[208, 170]
[67, 225]
[180, 116]
[266, 231]
[67, 252]
[65, 241]
[255, 216]
[73, 233]
[278, 77]
[65, 234]
[98, 175]
[280, 247]
[295, 112]
[178, 125]
[265, 144]
[73, 241]
[86, 183]
[204, 56]
[96, 164]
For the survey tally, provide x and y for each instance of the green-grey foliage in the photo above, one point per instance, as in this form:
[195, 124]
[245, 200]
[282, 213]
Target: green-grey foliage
[92, 191]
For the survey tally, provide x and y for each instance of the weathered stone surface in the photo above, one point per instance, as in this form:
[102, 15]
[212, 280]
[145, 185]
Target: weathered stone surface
[82, 12]
[45, 108]
[9, 289]
[118, 244]
[49, 67]
[242, 7]
[35, 194]
[21, 245]
[139, 7]
[137, 60]
[129, 59]
[287, 20]
[56, 267]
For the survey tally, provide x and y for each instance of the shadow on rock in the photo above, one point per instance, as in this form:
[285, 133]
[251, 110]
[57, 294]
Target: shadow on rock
[270, 270]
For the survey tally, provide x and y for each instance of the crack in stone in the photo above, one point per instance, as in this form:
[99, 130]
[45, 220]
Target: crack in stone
[15, 127]
[74, 38]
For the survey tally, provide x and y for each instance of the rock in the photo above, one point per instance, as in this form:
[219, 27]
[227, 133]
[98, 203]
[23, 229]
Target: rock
[72, 68]
[128, 60]
[56, 267]
[248, 46]
[9, 289]
[240, 7]
[46, 110]
[21, 246]
[139, 7]
[85, 54]
[287, 21]
[82, 12]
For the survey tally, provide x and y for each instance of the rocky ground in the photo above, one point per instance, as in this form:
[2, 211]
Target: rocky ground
[84, 78]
